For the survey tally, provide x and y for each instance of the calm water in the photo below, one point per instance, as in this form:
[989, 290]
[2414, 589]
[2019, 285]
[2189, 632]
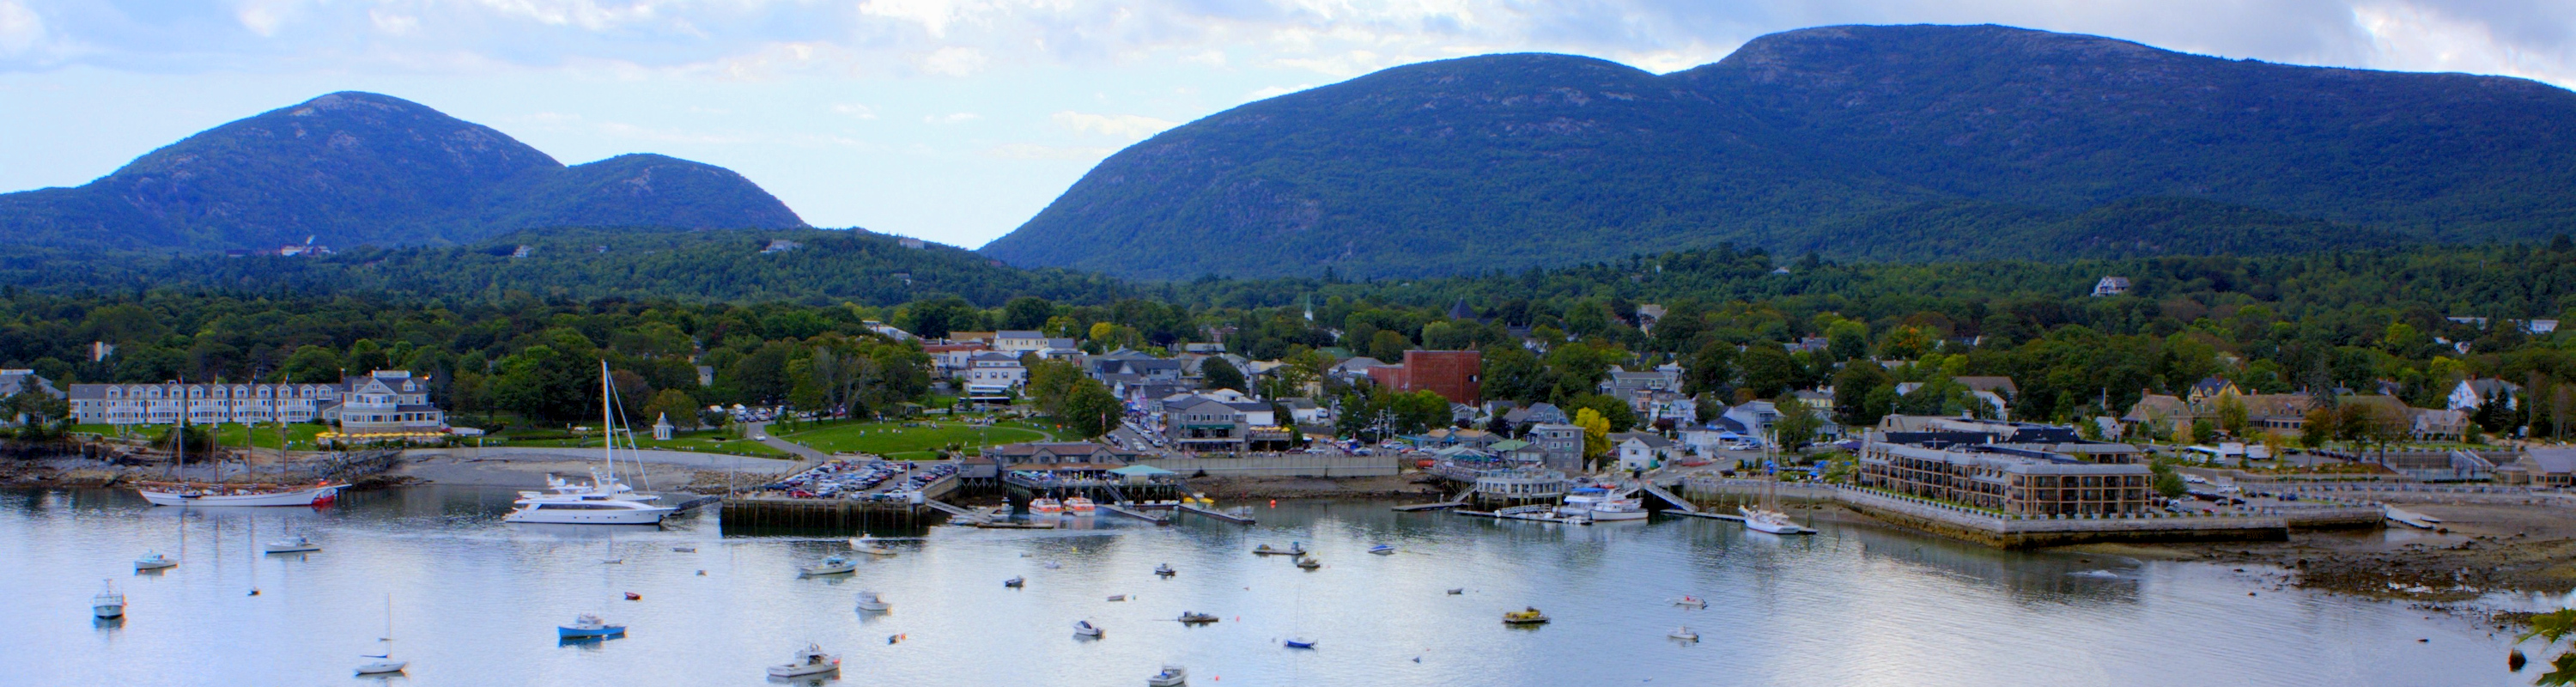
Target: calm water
[475, 603]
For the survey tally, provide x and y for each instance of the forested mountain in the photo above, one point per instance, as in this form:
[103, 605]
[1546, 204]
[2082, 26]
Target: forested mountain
[579, 264]
[1901, 142]
[358, 168]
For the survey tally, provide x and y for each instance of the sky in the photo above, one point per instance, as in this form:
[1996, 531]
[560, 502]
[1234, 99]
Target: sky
[956, 120]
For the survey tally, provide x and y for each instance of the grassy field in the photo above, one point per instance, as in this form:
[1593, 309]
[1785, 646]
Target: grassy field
[299, 436]
[893, 440]
[707, 441]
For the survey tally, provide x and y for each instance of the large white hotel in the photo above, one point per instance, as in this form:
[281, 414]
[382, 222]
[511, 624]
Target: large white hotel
[380, 402]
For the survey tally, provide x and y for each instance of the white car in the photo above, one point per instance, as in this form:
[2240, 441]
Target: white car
[760, 437]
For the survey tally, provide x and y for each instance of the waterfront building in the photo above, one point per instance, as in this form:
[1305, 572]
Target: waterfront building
[379, 402]
[1455, 375]
[2006, 479]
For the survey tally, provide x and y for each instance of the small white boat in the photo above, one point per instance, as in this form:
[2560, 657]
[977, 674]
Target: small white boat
[1051, 565]
[1080, 506]
[1690, 602]
[868, 545]
[1084, 628]
[836, 565]
[1608, 510]
[109, 603]
[1045, 506]
[1172, 676]
[869, 601]
[1683, 633]
[154, 561]
[1771, 521]
[295, 544]
[1165, 570]
[811, 661]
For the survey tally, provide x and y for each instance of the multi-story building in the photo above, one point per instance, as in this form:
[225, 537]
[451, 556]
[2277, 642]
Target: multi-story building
[1560, 446]
[2006, 479]
[1455, 375]
[993, 376]
[380, 402]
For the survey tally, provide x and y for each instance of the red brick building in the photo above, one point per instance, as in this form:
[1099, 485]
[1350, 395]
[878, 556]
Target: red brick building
[1455, 375]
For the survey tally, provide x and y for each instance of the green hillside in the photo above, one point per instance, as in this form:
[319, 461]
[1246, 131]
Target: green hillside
[1900, 143]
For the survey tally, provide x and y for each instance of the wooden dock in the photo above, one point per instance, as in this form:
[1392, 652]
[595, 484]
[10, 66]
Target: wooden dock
[1704, 514]
[1137, 514]
[1540, 513]
[1213, 513]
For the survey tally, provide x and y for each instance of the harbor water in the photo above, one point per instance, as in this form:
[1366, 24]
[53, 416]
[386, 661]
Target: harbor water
[476, 602]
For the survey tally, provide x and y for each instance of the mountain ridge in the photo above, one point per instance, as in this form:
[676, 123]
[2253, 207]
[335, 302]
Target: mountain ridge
[351, 168]
[1790, 143]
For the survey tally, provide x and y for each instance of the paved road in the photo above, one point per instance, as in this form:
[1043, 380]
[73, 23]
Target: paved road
[761, 429]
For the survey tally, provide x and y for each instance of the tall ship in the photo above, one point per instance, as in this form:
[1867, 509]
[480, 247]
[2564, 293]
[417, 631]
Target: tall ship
[604, 500]
[183, 493]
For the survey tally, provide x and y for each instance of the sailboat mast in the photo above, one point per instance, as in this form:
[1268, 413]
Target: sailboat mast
[607, 423]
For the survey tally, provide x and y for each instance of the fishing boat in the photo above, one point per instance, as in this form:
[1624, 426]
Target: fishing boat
[836, 565]
[811, 661]
[154, 561]
[1618, 509]
[1683, 633]
[1080, 506]
[1299, 643]
[1172, 676]
[869, 601]
[867, 544]
[1690, 602]
[589, 626]
[1084, 628]
[1294, 549]
[1525, 616]
[1382, 549]
[1454, 591]
[108, 603]
[604, 501]
[1043, 506]
[385, 662]
[295, 544]
[1194, 618]
[1165, 570]
[1308, 563]
[1113, 598]
[1014, 582]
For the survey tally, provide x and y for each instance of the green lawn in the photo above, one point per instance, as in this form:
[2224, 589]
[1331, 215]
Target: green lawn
[299, 436]
[893, 440]
[708, 441]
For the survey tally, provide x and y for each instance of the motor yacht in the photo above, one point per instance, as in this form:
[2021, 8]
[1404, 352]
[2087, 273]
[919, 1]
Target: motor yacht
[1084, 628]
[154, 561]
[1172, 676]
[869, 601]
[867, 544]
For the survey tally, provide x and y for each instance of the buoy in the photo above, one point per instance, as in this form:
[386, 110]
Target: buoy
[1274, 503]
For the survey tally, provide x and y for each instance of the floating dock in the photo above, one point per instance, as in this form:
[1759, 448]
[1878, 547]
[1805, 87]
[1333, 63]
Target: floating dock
[1122, 509]
[1540, 513]
[1213, 513]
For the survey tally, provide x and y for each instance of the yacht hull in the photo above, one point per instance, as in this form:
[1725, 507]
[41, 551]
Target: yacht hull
[185, 497]
[637, 516]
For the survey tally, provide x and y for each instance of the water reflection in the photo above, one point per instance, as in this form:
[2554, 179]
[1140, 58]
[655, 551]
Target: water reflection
[2041, 577]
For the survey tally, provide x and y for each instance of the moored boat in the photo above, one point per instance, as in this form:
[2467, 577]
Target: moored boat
[177, 494]
[869, 601]
[1044, 505]
[1015, 582]
[836, 565]
[1690, 602]
[1294, 549]
[1771, 521]
[1080, 506]
[295, 544]
[1382, 549]
[1683, 633]
[1299, 642]
[811, 661]
[589, 626]
[154, 560]
[1165, 570]
[1194, 617]
[867, 544]
[1618, 509]
[1308, 563]
[1084, 628]
[109, 603]
[1525, 616]
[1172, 676]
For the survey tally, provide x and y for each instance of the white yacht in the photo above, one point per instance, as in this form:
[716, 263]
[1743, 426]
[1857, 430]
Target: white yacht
[109, 603]
[1600, 505]
[867, 544]
[224, 495]
[1771, 521]
[1085, 628]
[1683, 633]
[1618, 509]
[604, 501]
[385, 663]
[811, 661]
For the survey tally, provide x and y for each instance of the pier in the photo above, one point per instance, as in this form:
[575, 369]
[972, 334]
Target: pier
[1122, 509]
[2013, 531]
[1213, 513]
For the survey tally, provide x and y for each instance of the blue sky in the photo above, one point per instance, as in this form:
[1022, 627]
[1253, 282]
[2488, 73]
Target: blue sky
[955, 120]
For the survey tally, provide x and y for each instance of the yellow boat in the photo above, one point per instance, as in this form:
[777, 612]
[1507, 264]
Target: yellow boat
[1526, 616]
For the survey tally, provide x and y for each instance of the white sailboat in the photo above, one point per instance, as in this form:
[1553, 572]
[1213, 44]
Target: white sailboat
[384, 662]
[604, 501]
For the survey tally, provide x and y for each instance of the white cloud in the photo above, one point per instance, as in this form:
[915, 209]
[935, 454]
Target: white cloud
[1036, 151]
[1268, 92]
[855, 110]
[953, 61]
[20, 29]
[2405, 36]
[1123, 126]
[393, 24]
[952, 118]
